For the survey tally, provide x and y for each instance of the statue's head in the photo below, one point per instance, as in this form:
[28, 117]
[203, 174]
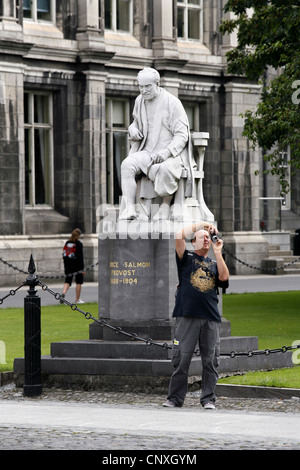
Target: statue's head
[148, 80]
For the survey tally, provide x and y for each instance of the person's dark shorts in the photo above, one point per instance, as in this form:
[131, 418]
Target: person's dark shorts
[78, 278]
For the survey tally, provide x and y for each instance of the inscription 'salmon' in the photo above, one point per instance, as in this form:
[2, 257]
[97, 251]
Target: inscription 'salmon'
[121, 275]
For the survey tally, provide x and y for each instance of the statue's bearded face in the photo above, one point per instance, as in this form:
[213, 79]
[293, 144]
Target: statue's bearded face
[148, 87]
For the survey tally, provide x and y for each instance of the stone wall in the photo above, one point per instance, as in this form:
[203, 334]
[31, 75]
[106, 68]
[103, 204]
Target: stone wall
[249, 247]
[12, 153]
[47, 254]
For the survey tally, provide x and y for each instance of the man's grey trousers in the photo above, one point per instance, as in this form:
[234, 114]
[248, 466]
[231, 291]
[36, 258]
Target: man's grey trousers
[188, 332]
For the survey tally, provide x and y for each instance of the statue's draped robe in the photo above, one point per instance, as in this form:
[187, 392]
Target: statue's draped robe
[170, 131]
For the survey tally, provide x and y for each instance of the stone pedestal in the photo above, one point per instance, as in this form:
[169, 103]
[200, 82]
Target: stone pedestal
[137, 284]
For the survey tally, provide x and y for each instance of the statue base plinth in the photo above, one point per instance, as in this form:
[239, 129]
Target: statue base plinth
[137, 285]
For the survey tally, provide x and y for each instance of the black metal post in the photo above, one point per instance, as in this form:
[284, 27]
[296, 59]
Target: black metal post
[32, 332]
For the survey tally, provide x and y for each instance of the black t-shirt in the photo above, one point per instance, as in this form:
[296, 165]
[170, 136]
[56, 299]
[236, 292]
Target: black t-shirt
[197, 294]
[73, 256]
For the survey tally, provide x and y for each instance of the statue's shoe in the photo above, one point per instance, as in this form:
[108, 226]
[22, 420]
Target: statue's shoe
[128, 215]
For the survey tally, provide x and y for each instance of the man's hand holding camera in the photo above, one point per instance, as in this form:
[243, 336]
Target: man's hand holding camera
[217, 243]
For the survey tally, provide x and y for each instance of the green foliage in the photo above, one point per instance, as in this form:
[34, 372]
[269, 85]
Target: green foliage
[271, 29]
[269, 37]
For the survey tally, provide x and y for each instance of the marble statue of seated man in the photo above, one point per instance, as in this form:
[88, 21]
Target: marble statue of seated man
[160, 148]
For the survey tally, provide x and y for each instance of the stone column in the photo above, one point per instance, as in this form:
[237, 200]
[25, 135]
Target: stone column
[163, 39]
[93, 131]
[240, 185]
[11, 123]
[12, 159]
[9, 27]
[89, 34]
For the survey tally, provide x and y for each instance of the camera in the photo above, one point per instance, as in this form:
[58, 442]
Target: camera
[214, 237]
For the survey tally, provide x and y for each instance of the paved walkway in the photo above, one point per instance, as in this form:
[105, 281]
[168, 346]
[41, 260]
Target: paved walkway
[127, 422]
[238, 285]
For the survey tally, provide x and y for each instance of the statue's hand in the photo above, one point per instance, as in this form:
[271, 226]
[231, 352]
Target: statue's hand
[161, 156]
[135, 134]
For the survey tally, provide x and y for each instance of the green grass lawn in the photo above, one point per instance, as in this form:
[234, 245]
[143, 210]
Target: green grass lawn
[273, 317]
[58, 323]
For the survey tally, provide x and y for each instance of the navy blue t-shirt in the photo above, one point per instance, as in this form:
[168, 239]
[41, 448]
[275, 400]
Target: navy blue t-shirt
[197, 291]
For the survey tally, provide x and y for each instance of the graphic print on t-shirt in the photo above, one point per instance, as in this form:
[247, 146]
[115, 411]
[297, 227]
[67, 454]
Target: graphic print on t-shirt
[202, 278]
[69, 250]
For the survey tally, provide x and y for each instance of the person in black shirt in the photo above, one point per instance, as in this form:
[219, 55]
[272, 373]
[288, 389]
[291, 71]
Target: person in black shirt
[196, 312]
[73, 262]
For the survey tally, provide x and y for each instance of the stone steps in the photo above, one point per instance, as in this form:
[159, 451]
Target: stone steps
[130, 373]
[130, 364]
[97, 349]
[281, 258]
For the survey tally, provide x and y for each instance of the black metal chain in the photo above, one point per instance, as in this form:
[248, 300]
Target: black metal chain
[11, 293]
[133, 336]
[261, 269]
[148, 341]
[101, 322]
[12, 266]
[88, 268]
[60, 276]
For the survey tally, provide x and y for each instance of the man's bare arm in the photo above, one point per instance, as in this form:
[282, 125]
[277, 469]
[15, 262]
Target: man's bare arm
[222, 267]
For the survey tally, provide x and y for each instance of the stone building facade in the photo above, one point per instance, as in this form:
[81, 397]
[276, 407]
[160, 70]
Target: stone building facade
[67, 87]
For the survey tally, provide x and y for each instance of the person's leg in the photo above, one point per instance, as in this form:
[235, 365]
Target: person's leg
[78, 292]
[185, 341]
[209, 343]
[79, 282]
[66, 286]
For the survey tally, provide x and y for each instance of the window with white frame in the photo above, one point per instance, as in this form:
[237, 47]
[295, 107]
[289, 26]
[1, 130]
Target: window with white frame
[192, 111]
[117, 146]
[39, 10]
[119, 15]
[38, 126]
[190, 20]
